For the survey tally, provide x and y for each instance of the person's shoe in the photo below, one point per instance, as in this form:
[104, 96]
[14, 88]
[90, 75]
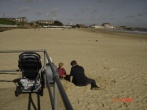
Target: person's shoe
[95, 88]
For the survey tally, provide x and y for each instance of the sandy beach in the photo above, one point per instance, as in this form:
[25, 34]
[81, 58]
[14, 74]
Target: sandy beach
[116, 60]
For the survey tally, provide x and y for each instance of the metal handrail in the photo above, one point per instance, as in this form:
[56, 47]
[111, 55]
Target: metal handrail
[61, 90]
[57, 82]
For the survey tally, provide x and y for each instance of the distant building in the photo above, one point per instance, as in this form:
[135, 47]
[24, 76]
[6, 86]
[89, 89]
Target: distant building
[95, 26]
[80, 26]
[107, 25]
[46, 22]
[70, 24]
[20, 19]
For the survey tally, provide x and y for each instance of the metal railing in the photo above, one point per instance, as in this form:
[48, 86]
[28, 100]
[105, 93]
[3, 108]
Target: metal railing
[57, 83]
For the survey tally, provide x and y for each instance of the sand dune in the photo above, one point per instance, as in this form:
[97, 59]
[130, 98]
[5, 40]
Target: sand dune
[117, 61]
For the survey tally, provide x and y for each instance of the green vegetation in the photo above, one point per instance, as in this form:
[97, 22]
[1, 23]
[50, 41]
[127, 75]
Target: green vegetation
[57, 23]
[7, 21]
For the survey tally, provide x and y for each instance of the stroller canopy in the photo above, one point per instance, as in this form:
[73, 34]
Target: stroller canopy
[29, 64]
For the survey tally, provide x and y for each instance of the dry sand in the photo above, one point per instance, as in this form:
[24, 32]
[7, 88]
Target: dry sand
[117, 61]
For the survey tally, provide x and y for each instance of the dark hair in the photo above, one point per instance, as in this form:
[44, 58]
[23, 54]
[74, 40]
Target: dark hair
[73, 63]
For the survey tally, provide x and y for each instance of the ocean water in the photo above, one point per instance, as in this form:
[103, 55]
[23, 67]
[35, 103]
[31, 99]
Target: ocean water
[136, 31]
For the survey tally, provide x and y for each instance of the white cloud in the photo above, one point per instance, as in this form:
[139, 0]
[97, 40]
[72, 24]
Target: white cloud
[53, 13]
[30, 0]
[104, 1]
[39, 13]
[33, 0]
[24, 9]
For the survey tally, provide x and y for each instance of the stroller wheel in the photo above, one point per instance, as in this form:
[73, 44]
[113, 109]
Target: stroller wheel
[41, 92]
[16, 93]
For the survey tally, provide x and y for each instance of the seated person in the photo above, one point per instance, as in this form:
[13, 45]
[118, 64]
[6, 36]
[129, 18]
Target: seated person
[78, 77]
[61, 71]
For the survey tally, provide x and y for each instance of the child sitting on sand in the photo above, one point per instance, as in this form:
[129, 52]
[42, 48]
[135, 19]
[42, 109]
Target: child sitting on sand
[61, 71]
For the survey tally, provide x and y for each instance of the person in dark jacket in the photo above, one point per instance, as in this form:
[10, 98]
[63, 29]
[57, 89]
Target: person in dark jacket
[78, 77]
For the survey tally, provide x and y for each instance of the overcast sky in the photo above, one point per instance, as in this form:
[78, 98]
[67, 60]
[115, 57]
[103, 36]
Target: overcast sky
[116, 12]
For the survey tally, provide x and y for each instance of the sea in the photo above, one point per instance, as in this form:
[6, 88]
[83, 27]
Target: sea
[131, 31]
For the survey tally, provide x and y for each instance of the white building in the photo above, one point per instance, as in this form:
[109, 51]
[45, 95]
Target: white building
[21, 19]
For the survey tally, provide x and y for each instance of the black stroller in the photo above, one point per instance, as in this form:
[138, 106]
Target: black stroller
[30, 64]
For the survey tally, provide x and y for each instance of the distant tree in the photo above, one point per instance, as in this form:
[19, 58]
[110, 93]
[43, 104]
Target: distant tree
[7, 21]
[58, 23]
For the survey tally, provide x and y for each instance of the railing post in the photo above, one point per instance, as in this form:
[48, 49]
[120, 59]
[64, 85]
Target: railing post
[55, 97]
[50, 91]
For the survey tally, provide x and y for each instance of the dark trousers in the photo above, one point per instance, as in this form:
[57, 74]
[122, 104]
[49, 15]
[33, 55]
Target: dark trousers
[67, 78]
[91, 81]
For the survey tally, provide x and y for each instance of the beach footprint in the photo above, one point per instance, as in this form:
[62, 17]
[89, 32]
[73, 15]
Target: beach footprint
[104, 83]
